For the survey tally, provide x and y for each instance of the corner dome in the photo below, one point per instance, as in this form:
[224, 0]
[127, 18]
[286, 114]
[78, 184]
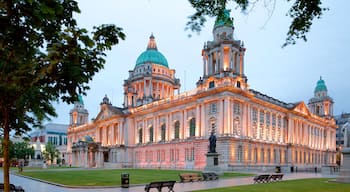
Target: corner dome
[321, 85]
[152, 55]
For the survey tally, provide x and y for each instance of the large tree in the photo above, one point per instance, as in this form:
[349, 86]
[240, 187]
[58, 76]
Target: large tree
[50, 152]
[302, 13]
[44, 57]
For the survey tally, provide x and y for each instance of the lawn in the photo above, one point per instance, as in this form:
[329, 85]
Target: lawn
[111, 177]
[303, 185]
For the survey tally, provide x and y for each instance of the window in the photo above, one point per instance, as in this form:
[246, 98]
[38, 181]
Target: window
[193, 127]
[236, 127]
[238, 84]
[140, 135]
[177, 130]
[213, 108]
[151, 134]
[211, 84]
[237, 108]
[162, 132]
[239, 153]
[212, 125]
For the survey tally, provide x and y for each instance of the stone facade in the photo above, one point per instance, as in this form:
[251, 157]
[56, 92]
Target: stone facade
[159, 129]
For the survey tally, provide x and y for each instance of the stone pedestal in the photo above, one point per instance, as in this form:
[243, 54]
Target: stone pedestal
[344, 175]
[213, 164]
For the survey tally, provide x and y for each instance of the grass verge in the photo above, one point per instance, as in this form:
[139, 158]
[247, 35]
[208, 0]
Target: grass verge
[111, 177]
[302, 185]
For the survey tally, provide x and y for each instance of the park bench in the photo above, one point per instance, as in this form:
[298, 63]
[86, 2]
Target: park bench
[190, 177]
[261, 179]
[210, 176]
[276, 177]
[13, 188]
[159, 185]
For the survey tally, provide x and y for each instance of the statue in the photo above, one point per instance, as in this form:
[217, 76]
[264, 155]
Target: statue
[212, 143]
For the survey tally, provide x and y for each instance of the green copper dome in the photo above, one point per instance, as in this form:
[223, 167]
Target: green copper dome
[224, 19]
[321, 85]
[152, 55]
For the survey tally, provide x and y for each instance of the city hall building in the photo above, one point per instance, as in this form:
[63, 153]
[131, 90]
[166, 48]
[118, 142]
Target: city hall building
[156, 128]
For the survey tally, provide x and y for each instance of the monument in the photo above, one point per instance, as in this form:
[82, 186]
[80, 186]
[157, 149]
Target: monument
[344, 175]
[212, 157]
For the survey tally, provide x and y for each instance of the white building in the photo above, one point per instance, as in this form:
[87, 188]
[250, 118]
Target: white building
[157, 128]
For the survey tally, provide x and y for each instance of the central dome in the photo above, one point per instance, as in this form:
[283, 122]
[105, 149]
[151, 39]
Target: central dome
[152, 55]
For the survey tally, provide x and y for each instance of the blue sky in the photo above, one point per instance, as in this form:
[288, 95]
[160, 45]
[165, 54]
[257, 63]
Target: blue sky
[288, 74]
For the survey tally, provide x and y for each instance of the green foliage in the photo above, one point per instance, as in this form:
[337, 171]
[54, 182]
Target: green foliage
[19, 150]
[50, 152]
[44, 57]
[302, 13]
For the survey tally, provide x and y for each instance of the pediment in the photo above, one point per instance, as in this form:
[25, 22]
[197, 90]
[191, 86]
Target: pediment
[108, 111]
[301, 108]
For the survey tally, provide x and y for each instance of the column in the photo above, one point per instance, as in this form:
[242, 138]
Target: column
[184, 125]
[217, 62]
[225, 116]
[219, 121]
[198, 118]
[246, 120]
[144, 88]
[290, 129]
[204, 64]
[150, 87]
[203, 121]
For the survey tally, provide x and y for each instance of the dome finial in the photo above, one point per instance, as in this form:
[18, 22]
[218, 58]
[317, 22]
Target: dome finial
[152, 43]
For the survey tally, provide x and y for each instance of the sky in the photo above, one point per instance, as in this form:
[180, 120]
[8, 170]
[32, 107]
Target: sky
[288, 74]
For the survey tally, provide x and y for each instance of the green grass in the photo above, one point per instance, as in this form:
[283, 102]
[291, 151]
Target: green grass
[303, 185]
[111, 177]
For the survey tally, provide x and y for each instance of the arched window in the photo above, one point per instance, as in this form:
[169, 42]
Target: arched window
[140, 135]
[151, 134]
[177, 130]
[193, 127]
[162, 132]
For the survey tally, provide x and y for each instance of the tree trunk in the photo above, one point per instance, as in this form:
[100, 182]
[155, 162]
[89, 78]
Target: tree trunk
[5, 147]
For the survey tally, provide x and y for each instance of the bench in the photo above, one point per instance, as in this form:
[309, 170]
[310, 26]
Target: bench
[159, 185]
[190, 177]
[13, 188]
[210, 176]
[276, 177]
[261, 179]
[267, 178]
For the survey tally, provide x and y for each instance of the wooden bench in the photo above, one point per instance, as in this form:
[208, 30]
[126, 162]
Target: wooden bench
[210, 176]
[276, 177]
[159, 185]
[13, 188]
[190, 177]
[261, 179]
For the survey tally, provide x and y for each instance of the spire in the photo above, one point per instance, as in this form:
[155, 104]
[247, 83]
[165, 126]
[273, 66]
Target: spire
[80, 98]
[152, 43]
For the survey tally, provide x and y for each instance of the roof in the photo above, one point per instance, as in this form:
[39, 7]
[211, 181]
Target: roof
[321, 85]
[272, 100]
[152, 55]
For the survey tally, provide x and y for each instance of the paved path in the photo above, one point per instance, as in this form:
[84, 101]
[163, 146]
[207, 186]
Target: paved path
[31, 185]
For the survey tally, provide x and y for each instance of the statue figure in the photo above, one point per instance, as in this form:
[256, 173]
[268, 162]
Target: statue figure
[212, 143]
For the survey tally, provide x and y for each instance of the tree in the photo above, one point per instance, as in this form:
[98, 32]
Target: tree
[50, 152]
[302, 12]
[44, 57]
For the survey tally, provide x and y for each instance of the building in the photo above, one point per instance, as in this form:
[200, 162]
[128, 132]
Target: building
[156, 128]
[342, 121]
[53, 133]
